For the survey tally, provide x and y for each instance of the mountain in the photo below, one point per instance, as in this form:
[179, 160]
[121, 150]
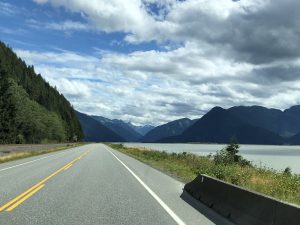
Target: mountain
[166, 130]
[291, 126]
[220, 125]
[285, 123]
[142, 130]
[31, 111]
[120, 127]
[95, 131]
[294, 140]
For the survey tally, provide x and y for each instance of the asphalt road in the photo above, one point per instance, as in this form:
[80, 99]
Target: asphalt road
[94, 184]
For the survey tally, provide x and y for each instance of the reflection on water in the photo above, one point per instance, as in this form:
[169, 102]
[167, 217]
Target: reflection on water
[272, 156]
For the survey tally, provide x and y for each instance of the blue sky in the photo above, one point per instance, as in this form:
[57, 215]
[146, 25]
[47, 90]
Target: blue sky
[24, 22]
[153, 61]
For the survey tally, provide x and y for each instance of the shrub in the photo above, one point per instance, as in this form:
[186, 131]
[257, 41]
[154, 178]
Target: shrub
[287, 171]
[229, 155]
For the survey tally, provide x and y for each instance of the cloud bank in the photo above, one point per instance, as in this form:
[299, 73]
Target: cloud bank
[211, 52]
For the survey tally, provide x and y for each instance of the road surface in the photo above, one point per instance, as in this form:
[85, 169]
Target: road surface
[94, 184]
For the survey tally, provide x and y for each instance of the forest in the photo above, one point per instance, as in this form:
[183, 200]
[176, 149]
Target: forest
[31, 111]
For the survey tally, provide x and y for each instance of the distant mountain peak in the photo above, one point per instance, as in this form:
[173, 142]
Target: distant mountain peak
[120, 127]
[250, 124]
[172, 128]
[220, 125]
[293, 109]
[95, 131]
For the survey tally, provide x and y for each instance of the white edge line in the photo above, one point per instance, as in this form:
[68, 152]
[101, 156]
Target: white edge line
[152, 193]
[32, 161]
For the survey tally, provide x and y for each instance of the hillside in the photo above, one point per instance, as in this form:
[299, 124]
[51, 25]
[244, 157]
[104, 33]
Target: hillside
[120, 127]
[95, 131]
[166, 130]
[31, 111]
[142, 130]
[285, 123]
[294, 140]
[219, 126]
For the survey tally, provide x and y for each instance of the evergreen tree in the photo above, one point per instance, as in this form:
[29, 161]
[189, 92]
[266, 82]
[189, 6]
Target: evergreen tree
[31, 111]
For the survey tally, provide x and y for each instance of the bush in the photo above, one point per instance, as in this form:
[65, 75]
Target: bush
[20, 139]
[287, 171]
[229, 155]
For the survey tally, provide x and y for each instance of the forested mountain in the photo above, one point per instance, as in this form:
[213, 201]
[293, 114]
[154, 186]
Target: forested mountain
[31, 111]
[166, 130]
[285, 123]
[220, 125]
[119, 127]
[294, 140]
[95, 131]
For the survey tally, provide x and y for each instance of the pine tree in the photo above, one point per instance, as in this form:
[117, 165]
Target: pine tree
[31, 110]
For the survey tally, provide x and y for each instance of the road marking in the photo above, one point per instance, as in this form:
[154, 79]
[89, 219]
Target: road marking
[24, 198]
[28, 193]
[32, 161]
[67, 167]
[18, 197]
[152, 193]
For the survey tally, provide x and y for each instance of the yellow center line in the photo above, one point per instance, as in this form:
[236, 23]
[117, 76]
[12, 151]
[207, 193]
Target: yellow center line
[68, 167]
[28, 193]
[24, 198]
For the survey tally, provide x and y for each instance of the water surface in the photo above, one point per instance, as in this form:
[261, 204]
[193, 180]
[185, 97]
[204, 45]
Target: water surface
[277, 157]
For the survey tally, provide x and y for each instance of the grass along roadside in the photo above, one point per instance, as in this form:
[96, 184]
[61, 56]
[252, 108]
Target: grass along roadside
[282, 185]
[25, 154]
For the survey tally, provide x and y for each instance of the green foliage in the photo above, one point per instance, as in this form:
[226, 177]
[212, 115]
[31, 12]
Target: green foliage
[31, 111]
[287, 171]
[229, 155]
[10, 156]
[186, 166]
[7, 111]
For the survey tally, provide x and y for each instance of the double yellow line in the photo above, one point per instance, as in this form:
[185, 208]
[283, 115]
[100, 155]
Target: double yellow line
[35, 188]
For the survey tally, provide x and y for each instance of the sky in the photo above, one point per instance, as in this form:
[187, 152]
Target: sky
[154, 61]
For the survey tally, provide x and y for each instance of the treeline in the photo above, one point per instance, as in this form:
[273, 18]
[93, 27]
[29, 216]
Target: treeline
[31, 111]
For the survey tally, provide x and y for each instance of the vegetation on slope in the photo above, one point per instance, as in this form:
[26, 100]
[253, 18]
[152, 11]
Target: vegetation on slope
[226, 165]
[219, 125]
[95, 131]
[25, 154]
[31, 111]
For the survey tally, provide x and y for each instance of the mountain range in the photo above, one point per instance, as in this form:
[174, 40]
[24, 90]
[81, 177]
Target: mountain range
[95, 131]
[120, 127]
[248, 124]
[31, 111]
[285, 123]
[172, 128]
[101, 129]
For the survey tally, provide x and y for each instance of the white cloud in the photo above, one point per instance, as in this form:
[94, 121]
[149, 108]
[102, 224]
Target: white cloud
[67, 25]
[249, 30]
[226, 53]
[155, 87]
[109, 15]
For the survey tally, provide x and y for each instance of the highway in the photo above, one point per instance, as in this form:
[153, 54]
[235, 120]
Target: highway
[93, 184]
